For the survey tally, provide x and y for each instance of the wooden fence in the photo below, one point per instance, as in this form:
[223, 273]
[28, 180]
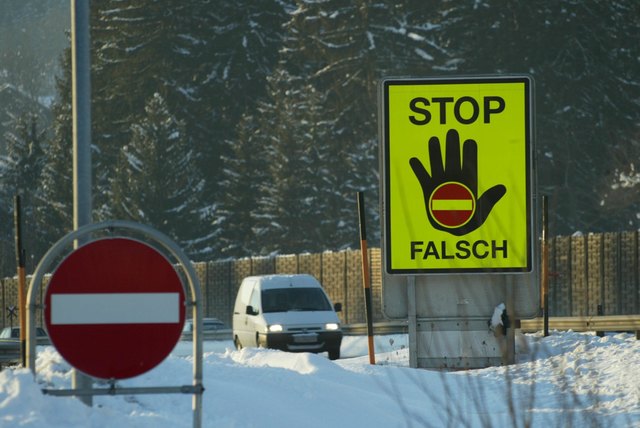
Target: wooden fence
[594, 272]
[587, 273]
[339, 272]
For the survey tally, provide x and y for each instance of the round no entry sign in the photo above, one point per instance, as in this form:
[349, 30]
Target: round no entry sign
[452, 204]
[114, 308]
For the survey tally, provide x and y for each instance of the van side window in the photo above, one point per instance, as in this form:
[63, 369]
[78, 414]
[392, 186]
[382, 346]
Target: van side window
[255, 299]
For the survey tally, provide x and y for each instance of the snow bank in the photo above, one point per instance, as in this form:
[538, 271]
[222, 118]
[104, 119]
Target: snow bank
[567, 379]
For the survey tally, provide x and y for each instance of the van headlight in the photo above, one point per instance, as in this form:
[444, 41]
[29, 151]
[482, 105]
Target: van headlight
[275, 328]
[332, 326]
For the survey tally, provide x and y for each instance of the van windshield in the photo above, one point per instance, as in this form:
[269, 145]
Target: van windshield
[294, 299]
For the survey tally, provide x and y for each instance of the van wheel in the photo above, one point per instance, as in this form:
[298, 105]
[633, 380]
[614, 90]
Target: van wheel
[334, 354]
[237, 343]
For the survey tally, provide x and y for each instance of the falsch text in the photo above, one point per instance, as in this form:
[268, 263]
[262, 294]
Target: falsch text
[462, 249]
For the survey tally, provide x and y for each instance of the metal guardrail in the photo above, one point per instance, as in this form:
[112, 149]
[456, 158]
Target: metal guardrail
[581, 323]
[222, 334]
[9, 352]
[388, 327]
[598, 323]
[595, 323]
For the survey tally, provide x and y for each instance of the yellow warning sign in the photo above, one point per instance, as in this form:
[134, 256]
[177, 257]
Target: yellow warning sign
[457, 174]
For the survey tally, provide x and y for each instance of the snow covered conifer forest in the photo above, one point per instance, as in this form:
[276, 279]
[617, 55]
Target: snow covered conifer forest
[246, 127]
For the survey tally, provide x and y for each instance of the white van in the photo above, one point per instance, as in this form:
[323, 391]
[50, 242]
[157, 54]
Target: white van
[288, 312]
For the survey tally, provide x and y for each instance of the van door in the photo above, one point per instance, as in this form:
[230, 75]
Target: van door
[254, 321]
[241, 329]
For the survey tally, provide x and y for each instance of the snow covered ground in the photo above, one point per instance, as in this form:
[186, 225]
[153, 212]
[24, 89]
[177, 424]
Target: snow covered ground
[566, 379]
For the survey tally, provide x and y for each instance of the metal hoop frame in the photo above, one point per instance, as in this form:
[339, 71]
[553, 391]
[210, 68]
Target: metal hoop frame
[193, 290]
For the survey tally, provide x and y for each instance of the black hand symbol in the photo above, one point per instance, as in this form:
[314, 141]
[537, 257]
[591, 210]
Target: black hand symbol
[461, 219]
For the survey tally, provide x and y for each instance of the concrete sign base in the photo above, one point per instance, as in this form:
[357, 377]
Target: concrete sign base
[460, 344]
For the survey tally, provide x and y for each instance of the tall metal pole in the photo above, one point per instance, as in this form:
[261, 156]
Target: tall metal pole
[81, 113]
[81, 83]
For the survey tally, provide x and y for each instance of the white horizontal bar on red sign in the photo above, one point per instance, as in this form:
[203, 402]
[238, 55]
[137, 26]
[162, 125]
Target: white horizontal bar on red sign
[451, 204]
[115, 308]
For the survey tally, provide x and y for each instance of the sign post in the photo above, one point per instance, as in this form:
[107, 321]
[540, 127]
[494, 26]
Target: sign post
[81, 109]
[458, 209]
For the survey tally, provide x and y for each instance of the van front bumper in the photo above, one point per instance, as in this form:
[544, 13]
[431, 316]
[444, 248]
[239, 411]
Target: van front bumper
[320, 341]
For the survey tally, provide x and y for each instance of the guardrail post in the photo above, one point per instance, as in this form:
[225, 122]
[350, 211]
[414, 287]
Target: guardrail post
[600, 313]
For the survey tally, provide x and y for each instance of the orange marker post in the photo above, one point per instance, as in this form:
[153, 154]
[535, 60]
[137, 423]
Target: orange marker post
[366, 282]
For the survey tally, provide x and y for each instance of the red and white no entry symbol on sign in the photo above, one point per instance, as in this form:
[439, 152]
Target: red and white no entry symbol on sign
[452, 204]
[114, 308]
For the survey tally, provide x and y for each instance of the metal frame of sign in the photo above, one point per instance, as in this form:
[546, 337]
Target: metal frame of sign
[469, 223]
[192, 292]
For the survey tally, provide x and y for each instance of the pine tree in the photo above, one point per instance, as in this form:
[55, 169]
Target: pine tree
[157, 182]
[244, 175]
[208, 60]
[131, 61]
[291, 209]
[229, 48]
[22, 167]
[7, 253]
[54, 213]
